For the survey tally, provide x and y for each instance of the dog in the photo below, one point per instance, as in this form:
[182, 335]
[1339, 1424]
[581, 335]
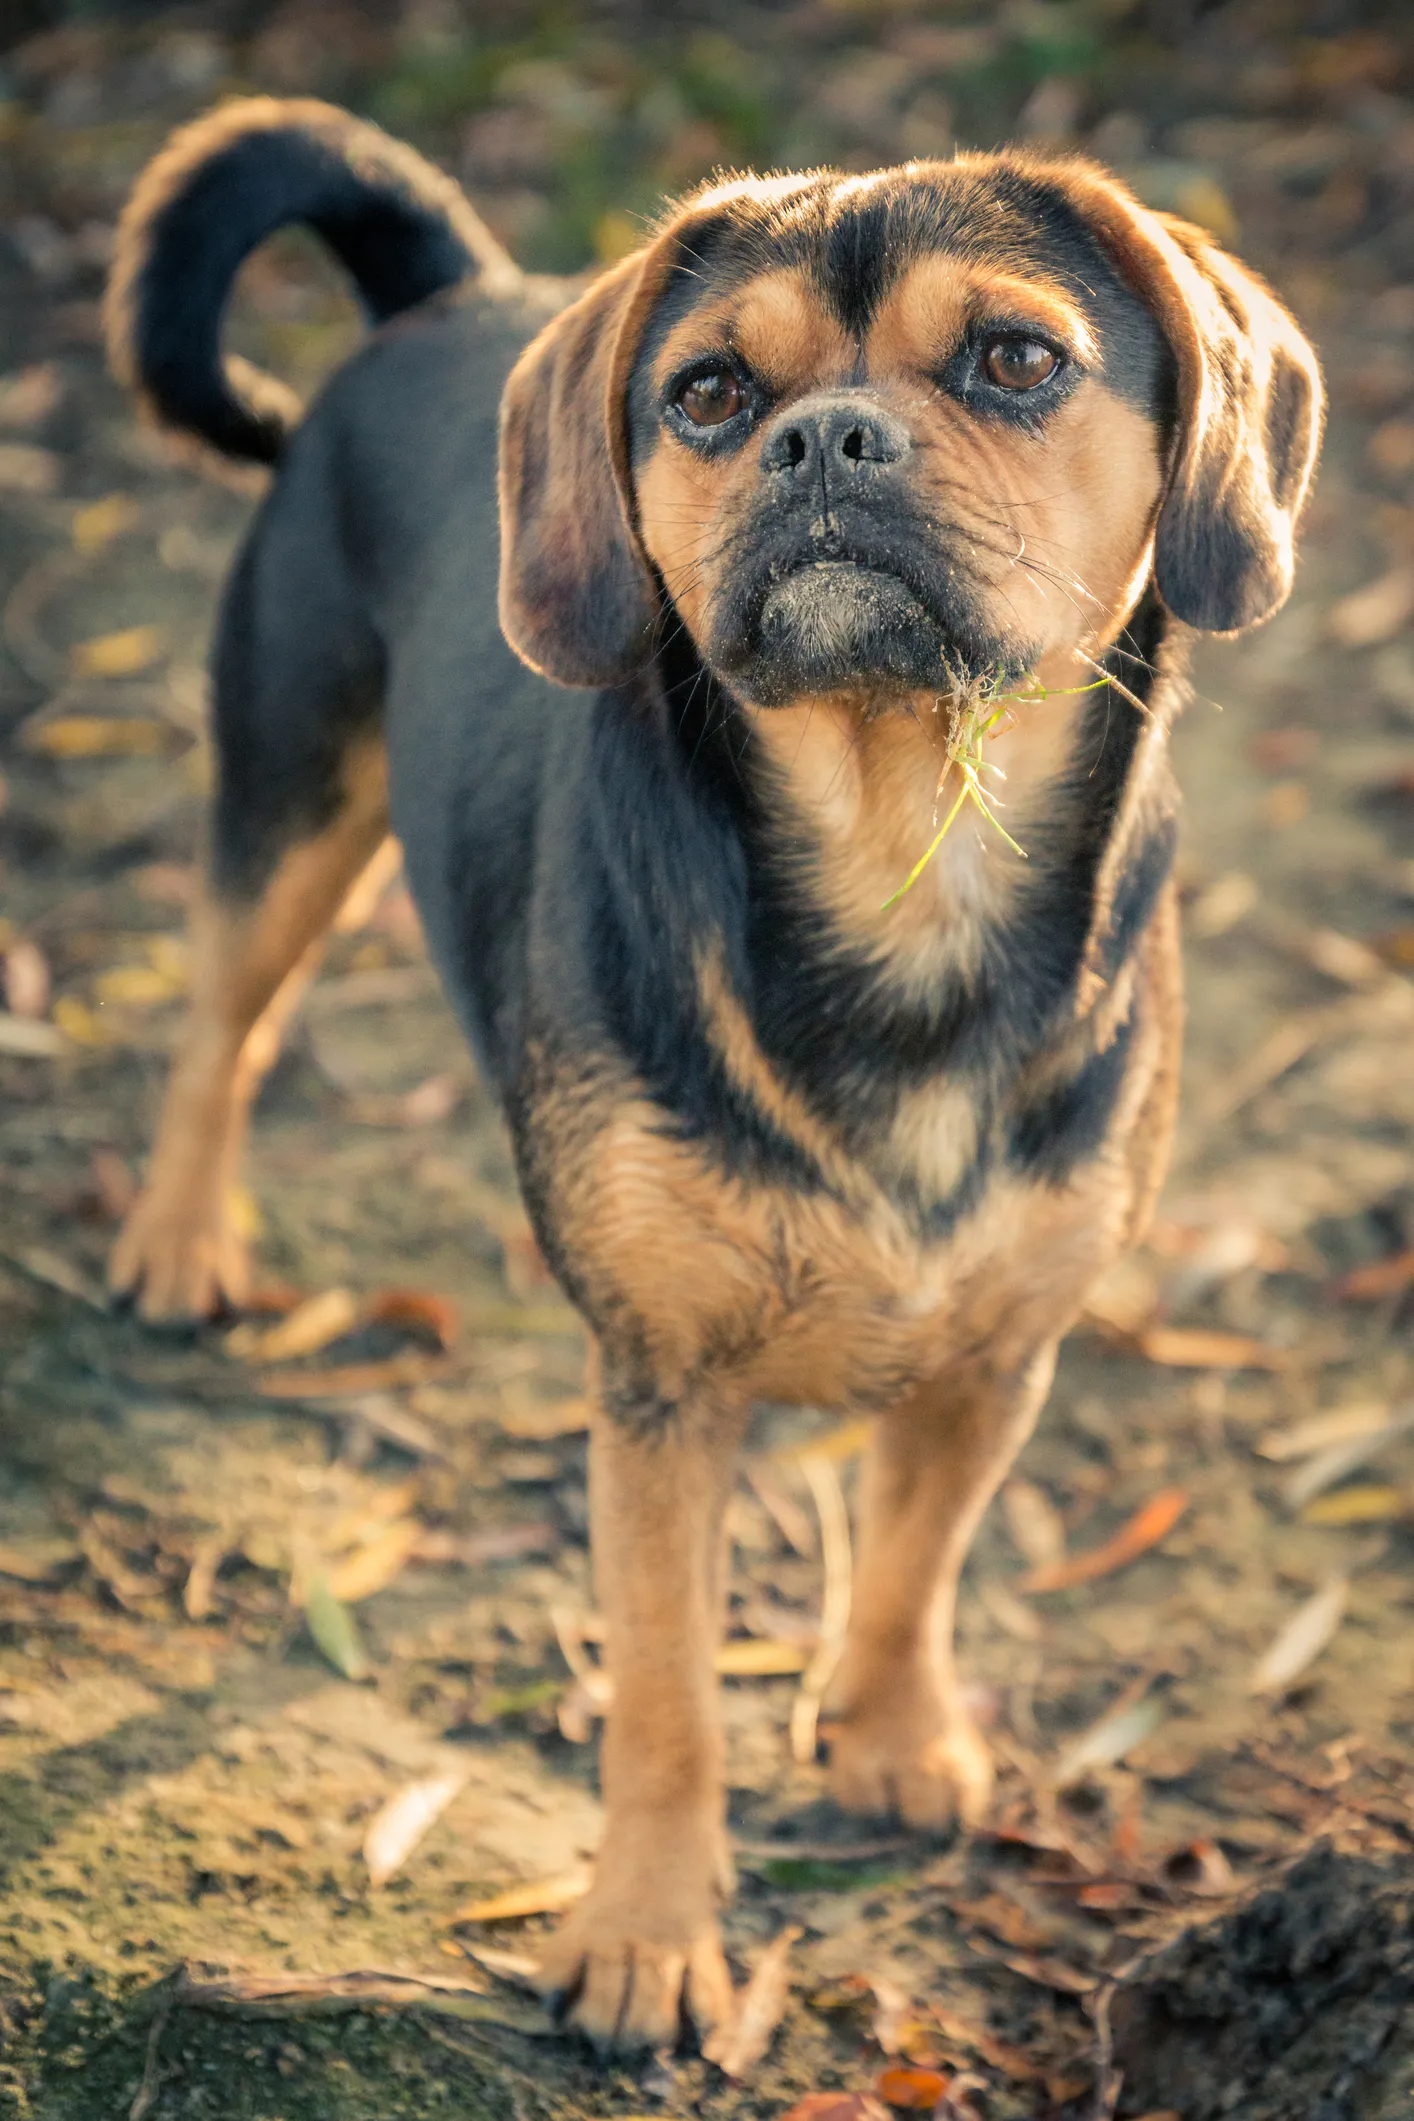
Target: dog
[840, 499]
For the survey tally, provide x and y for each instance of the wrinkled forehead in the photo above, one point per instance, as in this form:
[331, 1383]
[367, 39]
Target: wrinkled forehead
[846, 274]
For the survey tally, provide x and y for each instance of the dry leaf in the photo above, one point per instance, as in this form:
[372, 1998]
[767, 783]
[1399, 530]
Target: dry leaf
[27, 1040]
[1320, 1431]
[1330, 1466]
[26, 979]
[375, 1566]
[432, 1317]
[309, 1327]
[1144, 1530]
[1108, 1741]
[37, 1560]
[1363, 1505]
[119, 655]
[539, 1896]
[837, 2106]
[738, 2047]
[1222, 904]
[912, 2090]
[136, 986]
[1374, 613]
[1383, 1277]
[24, 468]
[396, 1829]
[333, 1629]
[355, 1380]
[100, 522]
[30, 395]
[100, 736]
[201, 1577]
[1034, 1523]
[756, 1658]
[1198, 1348]
[1302, 1640]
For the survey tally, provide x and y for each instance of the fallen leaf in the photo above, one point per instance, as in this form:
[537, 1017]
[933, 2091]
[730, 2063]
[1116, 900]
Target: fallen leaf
[540, 1421]
[1384, 1277]
[1108, 1741]
[1050, 1973]
[1144, 1530]
[395, 1830]
[1328, 1467]
[1200, 1868]
[1359, 1505]
[136, 986]
[118, 655]
[38, 1560]
[912, 2090]
[1366, 1417]
[1034, 1523]
[26, 979]
[24, 468]
[737, 2047]
[837, 2106]
[309, 1327]
[755, 1658]
[100, 522]
[22, 1037]
[1198, 1348]
[375, 1566]
[29, 395]
[1302, 1640]
[355, 1380]
[333, 1628]
[100, 736]
[201, 1577]
[539, 1896]
[1222, 904]
[432, 1317]
[1374, 613]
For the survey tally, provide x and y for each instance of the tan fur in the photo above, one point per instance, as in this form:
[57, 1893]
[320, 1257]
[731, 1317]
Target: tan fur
[179, 1252]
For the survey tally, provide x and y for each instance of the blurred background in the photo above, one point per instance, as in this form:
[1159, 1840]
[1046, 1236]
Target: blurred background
[197, 1756]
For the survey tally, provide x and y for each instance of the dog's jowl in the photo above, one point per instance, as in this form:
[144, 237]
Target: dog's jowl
[846, 510]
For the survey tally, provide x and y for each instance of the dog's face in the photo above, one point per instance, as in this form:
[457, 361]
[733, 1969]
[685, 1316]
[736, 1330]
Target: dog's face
[879, 436]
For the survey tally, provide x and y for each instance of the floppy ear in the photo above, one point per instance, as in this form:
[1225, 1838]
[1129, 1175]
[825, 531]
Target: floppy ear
[1250, 407]
[577, 599]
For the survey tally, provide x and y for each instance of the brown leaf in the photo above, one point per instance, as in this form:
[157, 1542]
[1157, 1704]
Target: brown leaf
[1384, 1277]
[374, 1567]
[1034, 1523]
[1320, 1431]
[1198, 1348]
[101, 736]
[912, 2090]
[754, 1657]
[1144, 1530]
[37, 1560]
[837, 2106]
[101, 522]
[119, 655]
[1360, 1505]
[309, 1327]
[1302, 1640]
[395, 1830]
[738, 2047]
[1374, 613]
[538, 1896]
[432, 1318]
[26, 979]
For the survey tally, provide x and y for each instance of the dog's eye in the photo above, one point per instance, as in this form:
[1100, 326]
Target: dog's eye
[713, 399]
[1018, 364]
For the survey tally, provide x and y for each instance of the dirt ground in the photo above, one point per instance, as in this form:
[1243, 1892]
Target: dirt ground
[1197, 1898]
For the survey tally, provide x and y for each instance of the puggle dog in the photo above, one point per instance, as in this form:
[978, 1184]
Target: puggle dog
[831, 471]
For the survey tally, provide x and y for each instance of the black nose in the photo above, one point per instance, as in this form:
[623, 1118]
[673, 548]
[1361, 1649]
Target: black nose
[834, 438]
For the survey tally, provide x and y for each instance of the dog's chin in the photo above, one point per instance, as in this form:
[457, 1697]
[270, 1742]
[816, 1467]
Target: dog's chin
[837, 626]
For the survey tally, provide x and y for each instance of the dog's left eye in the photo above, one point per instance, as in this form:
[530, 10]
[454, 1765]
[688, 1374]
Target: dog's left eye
[713, 399]
[1014, 363]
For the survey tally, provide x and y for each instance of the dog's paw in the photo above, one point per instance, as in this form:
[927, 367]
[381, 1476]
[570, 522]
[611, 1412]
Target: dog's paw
[633, 1983]
[914, 1761]
[178, 1263]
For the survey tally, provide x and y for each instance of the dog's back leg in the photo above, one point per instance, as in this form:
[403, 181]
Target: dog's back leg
[301, 807]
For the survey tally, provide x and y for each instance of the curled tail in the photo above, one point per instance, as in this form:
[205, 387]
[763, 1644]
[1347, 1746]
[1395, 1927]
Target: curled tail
[217, 190]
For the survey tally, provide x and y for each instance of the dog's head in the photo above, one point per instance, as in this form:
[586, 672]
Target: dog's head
[879, 435]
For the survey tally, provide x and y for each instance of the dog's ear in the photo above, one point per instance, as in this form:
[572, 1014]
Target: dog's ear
[1250, 406]
[577, 599]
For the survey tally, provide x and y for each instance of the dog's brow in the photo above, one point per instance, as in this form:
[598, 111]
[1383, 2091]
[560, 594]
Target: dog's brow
[940, 296]
[776, 321]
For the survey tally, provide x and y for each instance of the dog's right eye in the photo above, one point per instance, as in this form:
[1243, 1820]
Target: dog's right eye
[711, 400]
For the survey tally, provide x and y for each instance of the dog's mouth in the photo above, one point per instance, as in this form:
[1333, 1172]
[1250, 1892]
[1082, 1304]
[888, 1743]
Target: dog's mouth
[857, 622]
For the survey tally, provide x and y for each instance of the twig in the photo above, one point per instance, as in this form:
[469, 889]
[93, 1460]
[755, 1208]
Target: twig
[824, 1483]
[1108, 2079]
[153, 2073]
[367, 1988]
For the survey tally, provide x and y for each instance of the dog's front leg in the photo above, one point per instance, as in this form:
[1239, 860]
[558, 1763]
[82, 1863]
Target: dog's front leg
[900, 1738]
[639, 1957]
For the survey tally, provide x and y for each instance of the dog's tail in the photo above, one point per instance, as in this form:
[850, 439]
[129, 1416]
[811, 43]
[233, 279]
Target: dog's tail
[217, 190]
